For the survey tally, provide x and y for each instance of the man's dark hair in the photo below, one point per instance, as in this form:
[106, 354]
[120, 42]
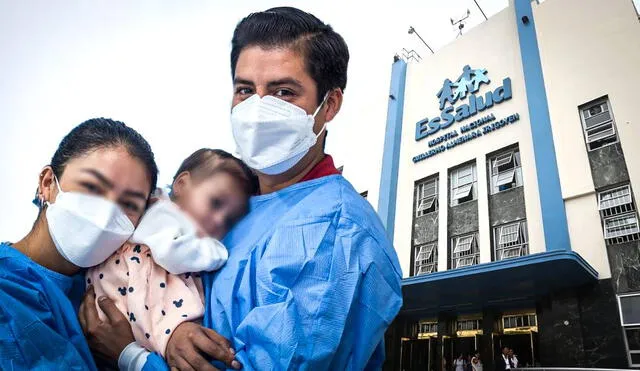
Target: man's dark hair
[325, 53]
[101, 133]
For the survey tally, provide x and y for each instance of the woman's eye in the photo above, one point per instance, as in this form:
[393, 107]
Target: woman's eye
[91, 188]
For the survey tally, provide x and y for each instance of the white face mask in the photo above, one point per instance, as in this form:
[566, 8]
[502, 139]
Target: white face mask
[273, 135]
[86, 229]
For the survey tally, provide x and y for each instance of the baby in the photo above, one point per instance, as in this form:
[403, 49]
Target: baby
[153, 278]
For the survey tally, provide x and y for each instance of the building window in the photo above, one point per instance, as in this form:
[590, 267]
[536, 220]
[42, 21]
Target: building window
[630, 315]
[427, 327]
[511, 240]
[598, 125]
[520, 320]
[463, 184]
[506, 171]
[468, 325]
[619, 216]
[465, 251]
[426, 258]
[426, 197]
[616, 201]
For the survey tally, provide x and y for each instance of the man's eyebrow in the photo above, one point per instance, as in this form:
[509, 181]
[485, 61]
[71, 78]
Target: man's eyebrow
[241, 81]
[103, 179]
[285, 81]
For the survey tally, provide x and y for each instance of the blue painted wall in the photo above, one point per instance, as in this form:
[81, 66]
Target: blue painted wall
[391, 155]
[554, 218]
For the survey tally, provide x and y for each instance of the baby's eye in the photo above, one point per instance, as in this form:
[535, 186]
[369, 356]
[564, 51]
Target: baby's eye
[215, 203]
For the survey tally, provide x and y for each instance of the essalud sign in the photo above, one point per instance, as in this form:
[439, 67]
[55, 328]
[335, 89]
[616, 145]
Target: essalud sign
[468, 83]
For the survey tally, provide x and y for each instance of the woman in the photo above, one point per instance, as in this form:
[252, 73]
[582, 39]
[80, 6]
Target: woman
[460, 363]
[476, 363]
[90, 197]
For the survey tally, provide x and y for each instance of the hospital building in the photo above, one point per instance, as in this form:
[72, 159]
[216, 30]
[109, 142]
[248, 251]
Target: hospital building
[510, 187]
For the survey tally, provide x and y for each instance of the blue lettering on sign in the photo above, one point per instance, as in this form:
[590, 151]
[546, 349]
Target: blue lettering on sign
[469, 132]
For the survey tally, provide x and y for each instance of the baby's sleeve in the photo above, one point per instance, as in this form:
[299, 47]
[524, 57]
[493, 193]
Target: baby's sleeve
[174, 243]
[188, 253]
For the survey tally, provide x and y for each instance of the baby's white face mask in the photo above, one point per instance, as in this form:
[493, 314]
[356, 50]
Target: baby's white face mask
[86, 229]
[273, 135]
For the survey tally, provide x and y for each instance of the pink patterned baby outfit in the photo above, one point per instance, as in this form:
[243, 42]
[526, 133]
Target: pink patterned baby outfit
[153, 278]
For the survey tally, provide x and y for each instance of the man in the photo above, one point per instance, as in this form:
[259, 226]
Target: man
[503, 362]
[312, 281]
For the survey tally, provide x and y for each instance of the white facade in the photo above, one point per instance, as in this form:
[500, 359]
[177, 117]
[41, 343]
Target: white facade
[580, 54]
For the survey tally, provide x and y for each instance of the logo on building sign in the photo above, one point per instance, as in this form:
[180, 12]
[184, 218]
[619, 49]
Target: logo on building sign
[458, 100]
[467, 85]
[468, 82]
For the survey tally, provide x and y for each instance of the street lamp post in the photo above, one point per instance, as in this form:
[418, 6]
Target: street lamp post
[413, 31]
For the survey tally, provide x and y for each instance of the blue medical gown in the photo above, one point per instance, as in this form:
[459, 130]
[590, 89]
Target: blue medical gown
[39, 328]
[311, 283]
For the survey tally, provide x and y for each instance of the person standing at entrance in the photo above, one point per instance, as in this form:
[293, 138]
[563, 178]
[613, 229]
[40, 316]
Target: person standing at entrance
[513, 359]
[476, 364]
[503, 362]
[460, 363]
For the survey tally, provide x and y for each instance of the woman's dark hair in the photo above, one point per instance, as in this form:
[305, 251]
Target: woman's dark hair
[206, 162]
[325, 52]
[100, 133]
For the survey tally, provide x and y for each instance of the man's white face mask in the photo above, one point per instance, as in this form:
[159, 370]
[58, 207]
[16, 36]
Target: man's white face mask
[273, 135]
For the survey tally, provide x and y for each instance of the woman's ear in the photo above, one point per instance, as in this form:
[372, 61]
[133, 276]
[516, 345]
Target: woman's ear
[180, 184]
[47, 185]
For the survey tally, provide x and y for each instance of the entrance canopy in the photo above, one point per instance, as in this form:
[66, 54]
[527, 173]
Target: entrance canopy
[495, 284]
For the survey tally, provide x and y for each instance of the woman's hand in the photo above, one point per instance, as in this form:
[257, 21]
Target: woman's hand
[190, 340]
[108, 338]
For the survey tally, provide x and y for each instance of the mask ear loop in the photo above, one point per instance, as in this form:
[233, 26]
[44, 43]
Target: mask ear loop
[324, 100]
[43, 202]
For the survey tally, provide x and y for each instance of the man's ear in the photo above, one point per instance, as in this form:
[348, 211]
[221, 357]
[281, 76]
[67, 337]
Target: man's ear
[183, 180]
[333, 104]
[47, 187]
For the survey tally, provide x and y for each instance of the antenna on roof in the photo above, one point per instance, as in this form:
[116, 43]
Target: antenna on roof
[460, 22]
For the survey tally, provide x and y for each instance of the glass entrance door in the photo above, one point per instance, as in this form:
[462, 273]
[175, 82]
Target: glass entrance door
[523, 345]
[416, 355]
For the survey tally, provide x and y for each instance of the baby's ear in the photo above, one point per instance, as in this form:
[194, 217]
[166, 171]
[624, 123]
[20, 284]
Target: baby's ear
[180, 182]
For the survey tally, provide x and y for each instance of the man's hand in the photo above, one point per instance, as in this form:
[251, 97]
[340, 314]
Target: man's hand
[190, 340]
[108, 338]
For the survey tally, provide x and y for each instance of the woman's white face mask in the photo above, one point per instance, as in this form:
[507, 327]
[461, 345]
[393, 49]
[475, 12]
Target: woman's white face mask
[86, 229]
[273, 135]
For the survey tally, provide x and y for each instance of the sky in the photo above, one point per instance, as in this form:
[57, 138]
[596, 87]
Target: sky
[162, 67]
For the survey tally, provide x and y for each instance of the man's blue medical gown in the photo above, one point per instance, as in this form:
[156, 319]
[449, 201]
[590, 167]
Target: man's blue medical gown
[311, 283]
